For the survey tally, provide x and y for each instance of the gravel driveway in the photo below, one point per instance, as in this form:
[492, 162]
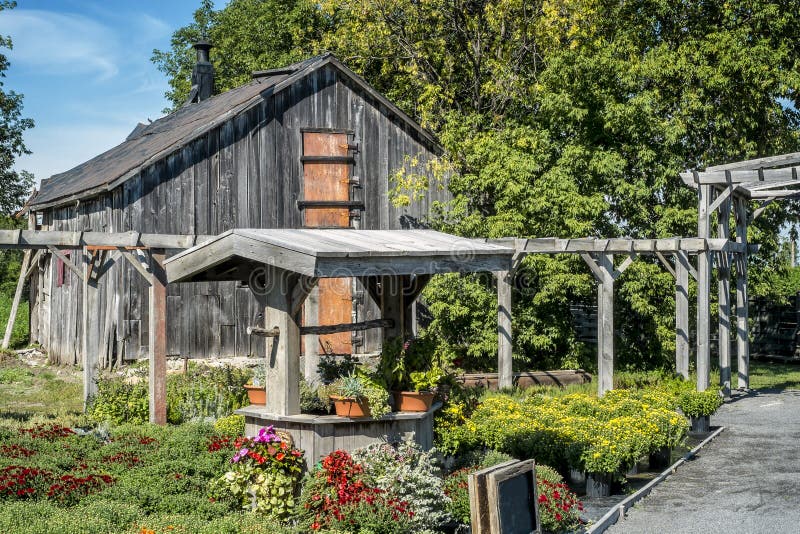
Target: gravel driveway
[745, 481]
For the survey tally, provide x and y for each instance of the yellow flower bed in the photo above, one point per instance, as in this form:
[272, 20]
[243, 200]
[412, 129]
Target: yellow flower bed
[600, 435]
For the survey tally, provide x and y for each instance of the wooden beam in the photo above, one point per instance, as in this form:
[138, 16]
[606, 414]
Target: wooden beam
[393, 306]
[74, 268]
[703, 290]
[682, 314]
[770, 161]
[740, 176]
[624, 265]
[722, 196]
[157, 372]
[89, 331]
[605, 326]
[311, 342]
[302, 289]
[283, 352]
[345, 327]
[12, 316]
[724, 300]
[742, 311]
[34, 239]
[504, 334]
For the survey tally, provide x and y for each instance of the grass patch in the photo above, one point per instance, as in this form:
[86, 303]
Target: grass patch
[27, 391]
[21, 333]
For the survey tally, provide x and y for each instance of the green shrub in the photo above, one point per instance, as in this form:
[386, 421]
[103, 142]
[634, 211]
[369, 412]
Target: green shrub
[203, 393]
[699, 403]
[409, 474]
[231, 425]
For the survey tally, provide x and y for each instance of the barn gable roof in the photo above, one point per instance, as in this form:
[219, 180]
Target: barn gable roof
[148, 144]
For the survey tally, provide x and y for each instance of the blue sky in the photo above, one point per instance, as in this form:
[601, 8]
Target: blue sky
[84, 69]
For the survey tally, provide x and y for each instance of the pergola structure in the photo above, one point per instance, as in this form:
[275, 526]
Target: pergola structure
[599, 256]
[723, 189]
[145, 252]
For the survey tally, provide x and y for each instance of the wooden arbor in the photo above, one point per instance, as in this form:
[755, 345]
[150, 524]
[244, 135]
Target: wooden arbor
[723, 189]
[145, 252]
[282, 266]
[599, 256]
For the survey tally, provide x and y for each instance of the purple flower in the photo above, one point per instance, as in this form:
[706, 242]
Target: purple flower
[239, 455]
[266, 435]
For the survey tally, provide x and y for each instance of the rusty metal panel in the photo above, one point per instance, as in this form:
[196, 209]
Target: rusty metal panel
[329, 181]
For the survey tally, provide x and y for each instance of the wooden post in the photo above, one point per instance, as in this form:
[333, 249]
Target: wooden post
[89, 329]
[505, 372]
[283, 352]
[311, 342]
[605, 325]
[158, 339]
[393, 306]
[724, 295]
[12, 316]
[682, 314]
[703, 289]
[742, 312]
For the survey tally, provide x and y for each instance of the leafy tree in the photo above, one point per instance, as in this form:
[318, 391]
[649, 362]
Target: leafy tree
[248, 35]
[564, 118]
[14, 187]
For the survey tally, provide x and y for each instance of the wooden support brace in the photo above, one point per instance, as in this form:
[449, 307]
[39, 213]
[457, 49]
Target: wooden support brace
[598, 273]
[758, 211]
[624, 265]
[667, 265]
[139, 264]
[345, 327]
[66, 261]
[12, 317]
[263, 332]
[34, 264]
[304, 287]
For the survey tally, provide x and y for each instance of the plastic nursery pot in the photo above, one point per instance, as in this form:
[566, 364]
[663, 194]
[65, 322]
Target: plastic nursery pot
[598, 484]
[701, 423]
[413, 401]
[346, 407]
[256, 394]
[661, 458]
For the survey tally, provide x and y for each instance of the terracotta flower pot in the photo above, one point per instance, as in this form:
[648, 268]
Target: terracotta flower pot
[413, 401]
[256, 394]
[351, 407]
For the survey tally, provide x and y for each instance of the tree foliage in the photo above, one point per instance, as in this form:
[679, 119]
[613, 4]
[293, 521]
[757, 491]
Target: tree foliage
[564, 118]
[14, 187]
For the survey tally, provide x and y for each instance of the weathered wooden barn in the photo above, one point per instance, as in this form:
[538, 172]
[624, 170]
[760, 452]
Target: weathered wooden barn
[308, 145]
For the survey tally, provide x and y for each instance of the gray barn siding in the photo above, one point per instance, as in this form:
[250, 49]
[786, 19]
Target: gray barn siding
[245, 173]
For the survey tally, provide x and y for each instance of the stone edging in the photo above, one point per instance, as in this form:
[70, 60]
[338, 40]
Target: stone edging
[617, 512]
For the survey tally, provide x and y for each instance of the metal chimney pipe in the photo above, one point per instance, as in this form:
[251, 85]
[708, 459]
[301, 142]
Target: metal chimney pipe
[203, 72]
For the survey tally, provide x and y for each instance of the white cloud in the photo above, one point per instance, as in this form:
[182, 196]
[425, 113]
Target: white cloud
[59, 148]
[61, 43]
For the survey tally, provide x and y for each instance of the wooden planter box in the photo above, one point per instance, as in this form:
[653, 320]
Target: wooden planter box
[320, 435]
[528, 379]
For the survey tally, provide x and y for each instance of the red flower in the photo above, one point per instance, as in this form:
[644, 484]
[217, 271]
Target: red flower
[280, 456]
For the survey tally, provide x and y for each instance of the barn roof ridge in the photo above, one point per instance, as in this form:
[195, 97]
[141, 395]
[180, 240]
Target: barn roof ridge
[150, 143]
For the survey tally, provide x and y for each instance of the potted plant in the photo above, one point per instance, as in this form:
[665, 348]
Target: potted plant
[699, 406]
[408, 369]
[359, 395]
[256, 386]
[423, 389]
